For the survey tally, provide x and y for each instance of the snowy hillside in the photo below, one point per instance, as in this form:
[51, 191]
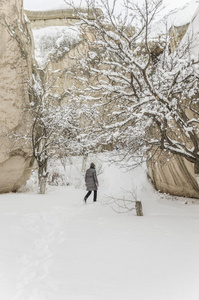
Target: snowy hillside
[176, 17]
[54, 42]
[55, 247]
[192, 37]
[183, 15]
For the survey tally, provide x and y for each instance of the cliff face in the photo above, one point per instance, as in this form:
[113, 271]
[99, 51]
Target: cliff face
[173, 175]
[15, 66]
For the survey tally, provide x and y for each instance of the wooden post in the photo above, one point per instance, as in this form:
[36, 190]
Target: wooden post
[138, 207]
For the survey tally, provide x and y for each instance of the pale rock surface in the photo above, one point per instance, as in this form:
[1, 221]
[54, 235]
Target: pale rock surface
[16, 69]
[173, 175]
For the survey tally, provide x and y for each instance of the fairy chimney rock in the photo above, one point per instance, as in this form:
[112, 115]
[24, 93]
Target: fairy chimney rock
[15, 65]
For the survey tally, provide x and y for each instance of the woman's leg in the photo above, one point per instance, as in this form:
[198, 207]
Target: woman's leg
[95, 196]
[87, 195]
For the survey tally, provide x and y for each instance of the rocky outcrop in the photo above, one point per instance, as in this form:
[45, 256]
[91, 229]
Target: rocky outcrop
[176, 34]
[170, 173]
[173, 175]
[16, 69]
[57, 17]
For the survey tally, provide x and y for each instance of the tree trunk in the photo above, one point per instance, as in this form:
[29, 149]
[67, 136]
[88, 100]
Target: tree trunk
[42, 176]
[138, 207]
[84, 161]
[196, 168]
[42, 185]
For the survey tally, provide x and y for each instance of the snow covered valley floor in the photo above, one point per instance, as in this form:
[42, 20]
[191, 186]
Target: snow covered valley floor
[54, 247]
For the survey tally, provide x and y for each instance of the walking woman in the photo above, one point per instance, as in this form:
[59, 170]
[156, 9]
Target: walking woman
[91, 182]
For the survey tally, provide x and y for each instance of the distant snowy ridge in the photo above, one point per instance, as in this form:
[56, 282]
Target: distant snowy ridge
[183, 15]
[54, 42]
[58, 7]
[177, 17]
[192, 35]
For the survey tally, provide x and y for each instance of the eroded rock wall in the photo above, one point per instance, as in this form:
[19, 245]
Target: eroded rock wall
[16, 69]
[173, 175]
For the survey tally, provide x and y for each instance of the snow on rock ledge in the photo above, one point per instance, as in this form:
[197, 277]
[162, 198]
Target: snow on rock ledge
[53, 42]
[178, 17]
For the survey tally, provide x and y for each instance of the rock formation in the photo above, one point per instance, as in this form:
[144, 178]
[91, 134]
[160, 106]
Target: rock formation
[16, 69]
[169, 174]
[173, 175]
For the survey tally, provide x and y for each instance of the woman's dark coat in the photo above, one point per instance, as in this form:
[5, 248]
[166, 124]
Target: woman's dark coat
[91, 180]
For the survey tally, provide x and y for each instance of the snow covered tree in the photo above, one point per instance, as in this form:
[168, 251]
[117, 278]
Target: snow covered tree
[148, 95]
[55, 125]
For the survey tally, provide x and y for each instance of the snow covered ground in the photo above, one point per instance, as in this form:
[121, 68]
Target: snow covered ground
[54, 247]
